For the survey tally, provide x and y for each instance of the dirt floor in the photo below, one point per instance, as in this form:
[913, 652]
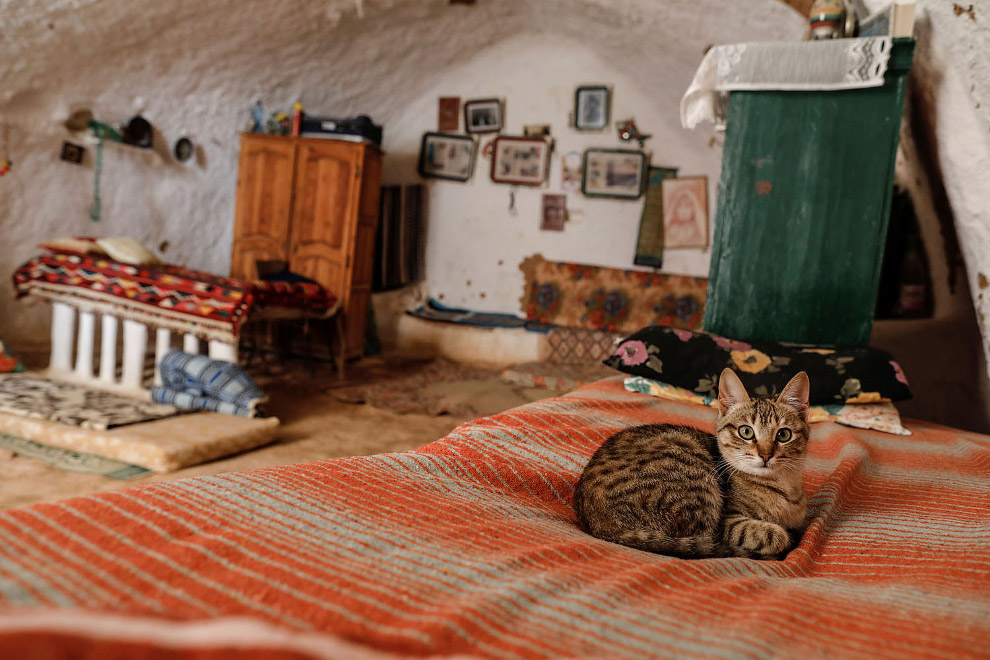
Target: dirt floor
[316, 423]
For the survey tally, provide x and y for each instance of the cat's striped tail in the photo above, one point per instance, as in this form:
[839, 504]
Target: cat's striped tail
[687, 547]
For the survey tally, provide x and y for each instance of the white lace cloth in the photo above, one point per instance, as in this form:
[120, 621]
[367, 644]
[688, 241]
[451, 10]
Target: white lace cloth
[805, 65]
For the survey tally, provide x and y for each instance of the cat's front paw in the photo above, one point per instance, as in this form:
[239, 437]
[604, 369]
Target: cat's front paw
[776, 541]
[757, 538]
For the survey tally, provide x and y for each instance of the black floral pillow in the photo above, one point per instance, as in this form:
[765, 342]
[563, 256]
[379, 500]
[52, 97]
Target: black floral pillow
[694, 360]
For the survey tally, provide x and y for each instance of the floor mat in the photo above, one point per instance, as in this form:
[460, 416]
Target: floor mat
[77, 405]
[558, 376]
[72, 461]
[420, 393]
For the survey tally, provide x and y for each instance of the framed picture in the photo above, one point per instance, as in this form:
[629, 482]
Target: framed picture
[554, 212]
[449, 113]
[591, 108]
[445, 156]
[649, 243]
[619, 173]
[685, 212]
[520, 160]
[483, 116]
[536, 130]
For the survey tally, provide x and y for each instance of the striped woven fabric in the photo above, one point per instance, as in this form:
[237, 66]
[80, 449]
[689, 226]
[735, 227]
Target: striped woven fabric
[181, 299]
[469, 547]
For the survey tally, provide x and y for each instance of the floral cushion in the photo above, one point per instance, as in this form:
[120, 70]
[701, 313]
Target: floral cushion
[694, 360]
[874, 416]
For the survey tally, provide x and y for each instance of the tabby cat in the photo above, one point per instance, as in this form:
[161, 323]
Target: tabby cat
[679, 491]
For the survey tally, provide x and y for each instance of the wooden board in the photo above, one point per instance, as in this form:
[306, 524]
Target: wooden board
[803, 203]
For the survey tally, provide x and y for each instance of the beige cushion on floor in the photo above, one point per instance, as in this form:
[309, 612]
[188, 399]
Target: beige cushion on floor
[162, 445]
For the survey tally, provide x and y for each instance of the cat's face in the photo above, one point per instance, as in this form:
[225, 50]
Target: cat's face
[763, 437]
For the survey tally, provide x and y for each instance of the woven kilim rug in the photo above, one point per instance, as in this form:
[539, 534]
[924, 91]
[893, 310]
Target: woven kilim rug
[72, 461]
[416, 393]
[77, 405]
[558, 376]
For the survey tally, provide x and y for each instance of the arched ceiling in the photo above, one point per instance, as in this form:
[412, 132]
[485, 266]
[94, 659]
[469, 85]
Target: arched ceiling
[365, 53]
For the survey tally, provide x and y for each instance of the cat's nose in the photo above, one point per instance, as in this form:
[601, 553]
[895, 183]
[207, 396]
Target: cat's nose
[766, 458]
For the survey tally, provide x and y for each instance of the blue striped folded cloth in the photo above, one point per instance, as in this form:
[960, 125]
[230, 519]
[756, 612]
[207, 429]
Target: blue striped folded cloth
[199, 374]
[189, 401]
[199, 382]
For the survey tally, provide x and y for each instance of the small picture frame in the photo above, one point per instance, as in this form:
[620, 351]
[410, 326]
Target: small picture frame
[615, 173]
[591, 108]
[554, 212]
[448, 113]
[483, 116]
[520, 160]
[536, 130]
[685, 212]
[445, 156]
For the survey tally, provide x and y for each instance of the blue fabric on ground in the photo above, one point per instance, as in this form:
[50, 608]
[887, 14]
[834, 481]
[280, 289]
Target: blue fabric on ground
[204, 376]
[197, 382]
[189, 401]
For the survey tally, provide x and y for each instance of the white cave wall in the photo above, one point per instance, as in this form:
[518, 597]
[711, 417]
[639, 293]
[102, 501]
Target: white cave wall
[476, 241]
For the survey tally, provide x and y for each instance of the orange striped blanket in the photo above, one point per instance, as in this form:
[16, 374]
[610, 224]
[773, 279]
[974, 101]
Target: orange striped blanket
[469, 547]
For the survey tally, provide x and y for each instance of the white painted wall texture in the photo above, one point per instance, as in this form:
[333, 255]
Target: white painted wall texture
[195, 68]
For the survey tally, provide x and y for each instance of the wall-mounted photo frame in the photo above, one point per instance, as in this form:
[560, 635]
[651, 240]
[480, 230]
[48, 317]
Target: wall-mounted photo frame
[592, 105]
[615, 173]
[649, 242]
[483, 116]
[520, 160]
[685, 212]
[445, 156]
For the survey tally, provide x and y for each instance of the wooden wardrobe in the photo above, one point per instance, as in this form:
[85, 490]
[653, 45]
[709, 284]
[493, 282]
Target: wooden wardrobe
[312, 203]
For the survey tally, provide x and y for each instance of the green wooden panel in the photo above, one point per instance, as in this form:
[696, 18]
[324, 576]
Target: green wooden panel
[803, 203]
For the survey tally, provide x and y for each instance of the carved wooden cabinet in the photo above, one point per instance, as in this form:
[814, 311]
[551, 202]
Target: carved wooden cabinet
[314, 204]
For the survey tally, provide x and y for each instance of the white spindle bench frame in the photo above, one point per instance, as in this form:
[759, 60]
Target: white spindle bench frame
[135, 345]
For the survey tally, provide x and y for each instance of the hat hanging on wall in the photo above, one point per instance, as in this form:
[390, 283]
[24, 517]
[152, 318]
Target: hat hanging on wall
[138, 132]
[183, 149]
[79, 120]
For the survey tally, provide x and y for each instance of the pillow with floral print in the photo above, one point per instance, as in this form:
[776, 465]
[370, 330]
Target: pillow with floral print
[693, 360]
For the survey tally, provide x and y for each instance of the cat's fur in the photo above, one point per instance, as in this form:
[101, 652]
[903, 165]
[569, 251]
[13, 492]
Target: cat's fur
[679, 491]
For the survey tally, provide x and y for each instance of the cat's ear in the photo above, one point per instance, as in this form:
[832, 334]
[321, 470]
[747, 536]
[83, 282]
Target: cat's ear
[795, 393]
[730, 390]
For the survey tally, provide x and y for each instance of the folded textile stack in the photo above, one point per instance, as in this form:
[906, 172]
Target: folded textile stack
[196, 382]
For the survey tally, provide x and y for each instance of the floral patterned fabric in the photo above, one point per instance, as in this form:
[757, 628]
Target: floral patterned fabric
[694, 360]
[611, 299]
[874, 416]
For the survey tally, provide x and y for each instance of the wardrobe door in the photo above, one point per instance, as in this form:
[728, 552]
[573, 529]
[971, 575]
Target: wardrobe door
[263, 204]
[363, 251]
[325, 213]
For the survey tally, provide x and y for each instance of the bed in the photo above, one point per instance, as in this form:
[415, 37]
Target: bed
[468, 547]
[164, 298]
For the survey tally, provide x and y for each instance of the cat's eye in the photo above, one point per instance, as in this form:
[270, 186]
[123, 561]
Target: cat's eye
[784, 435]
[746, 432]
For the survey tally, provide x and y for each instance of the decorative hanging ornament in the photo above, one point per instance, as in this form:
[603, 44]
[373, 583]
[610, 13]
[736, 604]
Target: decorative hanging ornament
[6, 165]
[628, 131]
[102, 132]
